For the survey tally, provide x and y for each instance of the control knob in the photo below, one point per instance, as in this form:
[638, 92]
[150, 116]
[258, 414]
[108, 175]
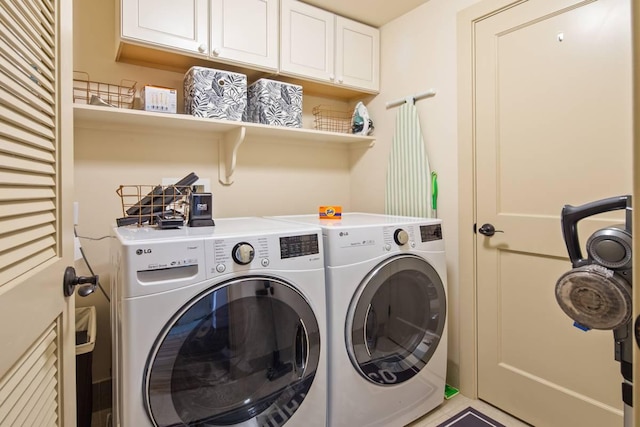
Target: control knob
[401, 237]
[243, 253]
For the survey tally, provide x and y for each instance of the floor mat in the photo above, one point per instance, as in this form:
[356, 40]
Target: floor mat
[470, 418]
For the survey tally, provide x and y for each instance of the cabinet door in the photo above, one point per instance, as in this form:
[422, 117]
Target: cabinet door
[176, 24]
[357, 54]
[245, 31]
[306, 41]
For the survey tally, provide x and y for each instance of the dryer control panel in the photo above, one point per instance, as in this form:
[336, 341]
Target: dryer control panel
[429, 233]
[411, 234]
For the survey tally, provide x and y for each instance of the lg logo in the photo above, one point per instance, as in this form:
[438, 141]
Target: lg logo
[344, 233]
[143, 251]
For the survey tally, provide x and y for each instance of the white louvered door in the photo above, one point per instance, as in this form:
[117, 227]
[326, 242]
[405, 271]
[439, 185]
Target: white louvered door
[37, 348]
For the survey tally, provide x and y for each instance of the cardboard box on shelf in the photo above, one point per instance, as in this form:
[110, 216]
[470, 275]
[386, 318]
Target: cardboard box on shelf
[159, 99]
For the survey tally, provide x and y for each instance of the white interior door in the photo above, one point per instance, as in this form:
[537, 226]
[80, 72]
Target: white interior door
[553, 126]
[37, 360]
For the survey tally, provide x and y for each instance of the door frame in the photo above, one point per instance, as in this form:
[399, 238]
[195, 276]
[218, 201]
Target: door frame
[467, 20]
[635, 43]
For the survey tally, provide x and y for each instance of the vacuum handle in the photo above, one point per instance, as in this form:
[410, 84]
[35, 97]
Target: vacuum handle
[572, 214]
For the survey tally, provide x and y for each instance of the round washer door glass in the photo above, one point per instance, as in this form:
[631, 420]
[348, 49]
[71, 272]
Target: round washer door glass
[396, 320]
[243, 353]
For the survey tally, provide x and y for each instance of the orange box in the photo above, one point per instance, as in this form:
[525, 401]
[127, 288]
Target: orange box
[330, 212]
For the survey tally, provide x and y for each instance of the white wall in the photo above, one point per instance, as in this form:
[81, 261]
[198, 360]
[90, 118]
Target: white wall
[272, 177]
[418, 53]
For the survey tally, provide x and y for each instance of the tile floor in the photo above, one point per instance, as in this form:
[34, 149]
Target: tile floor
[442, 413]
[459, 402]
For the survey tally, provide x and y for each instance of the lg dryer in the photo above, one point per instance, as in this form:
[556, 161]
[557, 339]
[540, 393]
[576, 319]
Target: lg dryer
[219, 326]
[386, 290]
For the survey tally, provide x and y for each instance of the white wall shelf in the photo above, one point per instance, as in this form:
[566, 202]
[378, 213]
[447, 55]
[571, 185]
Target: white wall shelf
[230, 134]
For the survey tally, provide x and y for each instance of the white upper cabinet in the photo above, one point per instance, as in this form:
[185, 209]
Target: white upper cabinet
[320, 45]
[307, 41]
[176, 24]
[245, 31]
[357, 54]
[286, 37]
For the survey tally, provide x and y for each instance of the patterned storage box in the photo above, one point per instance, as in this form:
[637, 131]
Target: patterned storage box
[215, 94]
[274, 103]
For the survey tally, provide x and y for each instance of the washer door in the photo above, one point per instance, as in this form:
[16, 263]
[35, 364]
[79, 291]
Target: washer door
[395, 320]
[242, 353]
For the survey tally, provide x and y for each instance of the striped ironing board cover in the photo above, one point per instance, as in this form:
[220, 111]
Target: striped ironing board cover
[408, 185]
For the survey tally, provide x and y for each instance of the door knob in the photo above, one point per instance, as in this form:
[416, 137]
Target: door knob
[70, 281]
[488, 230]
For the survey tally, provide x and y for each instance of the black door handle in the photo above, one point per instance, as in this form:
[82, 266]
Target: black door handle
[70, 281]
[488, 230]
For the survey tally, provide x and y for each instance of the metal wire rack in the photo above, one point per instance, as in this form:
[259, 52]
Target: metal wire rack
[153, 204]
[87, 91]
[331, 119]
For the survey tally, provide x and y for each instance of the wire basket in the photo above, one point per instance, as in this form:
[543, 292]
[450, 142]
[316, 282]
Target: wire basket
[153, 204]
[331, 119]
[87, 91]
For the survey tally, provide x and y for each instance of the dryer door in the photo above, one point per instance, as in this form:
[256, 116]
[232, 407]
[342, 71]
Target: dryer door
[243, 353]
[396, 319]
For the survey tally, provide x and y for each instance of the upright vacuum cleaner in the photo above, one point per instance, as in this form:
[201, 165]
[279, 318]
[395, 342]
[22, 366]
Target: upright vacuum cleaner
[596, 293]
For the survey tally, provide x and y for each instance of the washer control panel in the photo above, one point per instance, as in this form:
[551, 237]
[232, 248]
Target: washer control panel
[295, 251]
[227, 252]
[152, 256]
[300, 245]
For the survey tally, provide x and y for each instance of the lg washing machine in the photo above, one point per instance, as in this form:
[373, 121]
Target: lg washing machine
[219, 326]
[386, 300]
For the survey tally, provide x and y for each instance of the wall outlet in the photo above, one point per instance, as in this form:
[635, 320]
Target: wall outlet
[203, 185]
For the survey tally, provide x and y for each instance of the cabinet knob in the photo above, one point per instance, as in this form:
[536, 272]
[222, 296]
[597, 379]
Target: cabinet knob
[332, 77]
[340, 79]
[216, 51]
[202, 48]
